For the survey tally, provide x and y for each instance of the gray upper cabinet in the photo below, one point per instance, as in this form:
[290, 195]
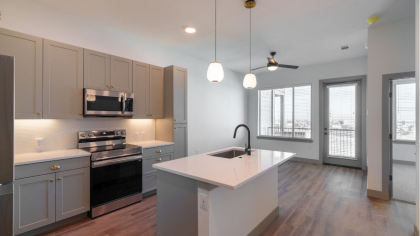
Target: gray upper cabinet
[148, 84]
[34, 203]
[72, 193]
[180, 95]
[62, 81]
[27, 51]
[121, 74]
[141, 90]
[180, 141]
[156, 88]
[96, 70]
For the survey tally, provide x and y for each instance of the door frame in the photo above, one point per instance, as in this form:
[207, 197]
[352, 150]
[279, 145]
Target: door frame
[322, 91]
[387, 130]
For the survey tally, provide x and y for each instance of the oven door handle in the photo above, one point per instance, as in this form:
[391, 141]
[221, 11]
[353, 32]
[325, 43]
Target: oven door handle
[115, 161]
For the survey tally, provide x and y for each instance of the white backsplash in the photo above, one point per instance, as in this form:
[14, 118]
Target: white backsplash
[62, 134]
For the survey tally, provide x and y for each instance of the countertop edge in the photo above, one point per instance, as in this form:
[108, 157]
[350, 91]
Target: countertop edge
[231, 187]
[49, 159]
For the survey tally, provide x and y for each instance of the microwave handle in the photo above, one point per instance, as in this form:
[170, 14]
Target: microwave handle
[123, 104]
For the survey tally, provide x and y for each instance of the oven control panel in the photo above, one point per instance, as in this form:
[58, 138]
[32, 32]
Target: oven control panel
[96, 134]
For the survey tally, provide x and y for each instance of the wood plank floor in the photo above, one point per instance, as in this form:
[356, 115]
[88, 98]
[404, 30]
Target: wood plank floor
[314, 200]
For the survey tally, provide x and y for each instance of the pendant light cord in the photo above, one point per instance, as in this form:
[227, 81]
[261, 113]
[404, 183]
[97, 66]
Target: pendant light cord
[215, 30]
[250, 40]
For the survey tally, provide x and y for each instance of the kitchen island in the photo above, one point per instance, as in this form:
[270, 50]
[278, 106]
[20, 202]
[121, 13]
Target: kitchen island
[224, 192]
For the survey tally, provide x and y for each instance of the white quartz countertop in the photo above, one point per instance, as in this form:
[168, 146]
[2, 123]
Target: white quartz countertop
[152, 143]
[223, 172]
[35, 157]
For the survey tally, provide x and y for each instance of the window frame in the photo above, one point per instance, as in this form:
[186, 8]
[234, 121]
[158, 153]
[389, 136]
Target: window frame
[259, 136]
[408, 80]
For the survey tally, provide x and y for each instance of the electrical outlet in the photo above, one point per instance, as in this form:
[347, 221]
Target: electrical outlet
[143, 136]
[136, 136]
[198, 151]
[39, 142]
[0, 15]
[203, 201]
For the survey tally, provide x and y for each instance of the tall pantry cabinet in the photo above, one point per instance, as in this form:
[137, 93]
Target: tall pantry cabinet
[174, 126]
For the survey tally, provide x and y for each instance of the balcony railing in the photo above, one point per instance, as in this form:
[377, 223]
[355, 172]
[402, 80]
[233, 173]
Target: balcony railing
[287, 132]
[342, 143]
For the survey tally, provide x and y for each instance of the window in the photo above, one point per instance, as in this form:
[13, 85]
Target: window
[285, 112]
[404, 120]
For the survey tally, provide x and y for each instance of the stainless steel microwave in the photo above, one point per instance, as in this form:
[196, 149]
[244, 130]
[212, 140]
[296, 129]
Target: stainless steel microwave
[108, 103]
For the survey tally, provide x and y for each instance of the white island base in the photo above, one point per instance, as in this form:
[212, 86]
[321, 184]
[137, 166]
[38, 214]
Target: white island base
[240, 195]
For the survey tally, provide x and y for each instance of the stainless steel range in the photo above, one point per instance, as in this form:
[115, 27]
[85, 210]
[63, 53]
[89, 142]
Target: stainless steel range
[116, 170]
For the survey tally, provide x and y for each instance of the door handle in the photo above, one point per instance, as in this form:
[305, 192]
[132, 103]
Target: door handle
[123, 103]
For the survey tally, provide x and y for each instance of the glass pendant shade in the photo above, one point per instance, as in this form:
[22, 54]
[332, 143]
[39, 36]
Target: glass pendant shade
[272, 68]
[250, 81]
[215, 72]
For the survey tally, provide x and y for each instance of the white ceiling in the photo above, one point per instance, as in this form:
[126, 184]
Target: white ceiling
[303, 32]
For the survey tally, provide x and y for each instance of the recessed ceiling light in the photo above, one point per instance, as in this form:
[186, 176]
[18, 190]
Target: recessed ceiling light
[190, 30]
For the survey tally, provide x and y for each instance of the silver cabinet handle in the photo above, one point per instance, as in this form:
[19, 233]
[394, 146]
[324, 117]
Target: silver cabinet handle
[115, 161]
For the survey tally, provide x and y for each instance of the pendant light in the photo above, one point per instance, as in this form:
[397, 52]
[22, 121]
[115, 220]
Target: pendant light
[250, 81]
[215, 71]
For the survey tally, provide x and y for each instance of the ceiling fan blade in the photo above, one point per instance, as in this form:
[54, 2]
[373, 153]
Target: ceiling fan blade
[288, 66]
[259, 67]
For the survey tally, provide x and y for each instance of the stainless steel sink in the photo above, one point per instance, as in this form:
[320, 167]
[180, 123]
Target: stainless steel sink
[229, 154]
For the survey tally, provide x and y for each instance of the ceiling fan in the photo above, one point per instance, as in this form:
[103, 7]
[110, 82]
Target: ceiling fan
[272, 65]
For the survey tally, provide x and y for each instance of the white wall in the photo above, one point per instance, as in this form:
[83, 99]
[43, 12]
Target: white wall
[391, 50]
[404, 152]
[303, 75]
[214, 109]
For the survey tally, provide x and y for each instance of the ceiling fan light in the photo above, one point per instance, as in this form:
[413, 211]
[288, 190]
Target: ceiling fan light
[272, 68]
[250, 81]
[215, 72]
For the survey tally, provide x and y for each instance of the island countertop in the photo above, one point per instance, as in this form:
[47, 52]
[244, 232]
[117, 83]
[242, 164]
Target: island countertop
[227, 173]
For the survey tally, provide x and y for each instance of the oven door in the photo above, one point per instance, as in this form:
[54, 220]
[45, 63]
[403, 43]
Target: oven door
[115, 179]
[108, 103]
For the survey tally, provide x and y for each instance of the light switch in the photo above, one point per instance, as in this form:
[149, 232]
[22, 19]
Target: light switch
[203, 201]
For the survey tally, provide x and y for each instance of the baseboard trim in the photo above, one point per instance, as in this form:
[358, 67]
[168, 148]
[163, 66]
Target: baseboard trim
[416, 230]
[412, 163]
[300, 159]
[265, 223]
[150, 193]
[54, 225]
[377, 194]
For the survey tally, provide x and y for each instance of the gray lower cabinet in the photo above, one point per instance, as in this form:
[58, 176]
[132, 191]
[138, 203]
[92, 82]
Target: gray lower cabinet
[34, 202]
[72, 193]
[180, 140]
[149, 182]
[151, 156]
[42, 199]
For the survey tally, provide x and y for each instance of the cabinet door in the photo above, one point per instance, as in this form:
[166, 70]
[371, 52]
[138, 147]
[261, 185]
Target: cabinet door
[27, 51]
[121, 74]
[96, 70]
[180, 95]
[180, 141]
[156, 92]
[34, 203]
[141, 90]
[63, 81]
[72, 193]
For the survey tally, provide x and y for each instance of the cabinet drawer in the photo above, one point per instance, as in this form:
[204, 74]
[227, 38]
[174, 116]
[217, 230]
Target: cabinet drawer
[148, 162]
[147, 152]
[43, 168]
[149, 182]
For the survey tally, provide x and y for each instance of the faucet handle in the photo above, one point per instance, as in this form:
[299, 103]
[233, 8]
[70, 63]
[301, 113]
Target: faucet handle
[246, 145]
